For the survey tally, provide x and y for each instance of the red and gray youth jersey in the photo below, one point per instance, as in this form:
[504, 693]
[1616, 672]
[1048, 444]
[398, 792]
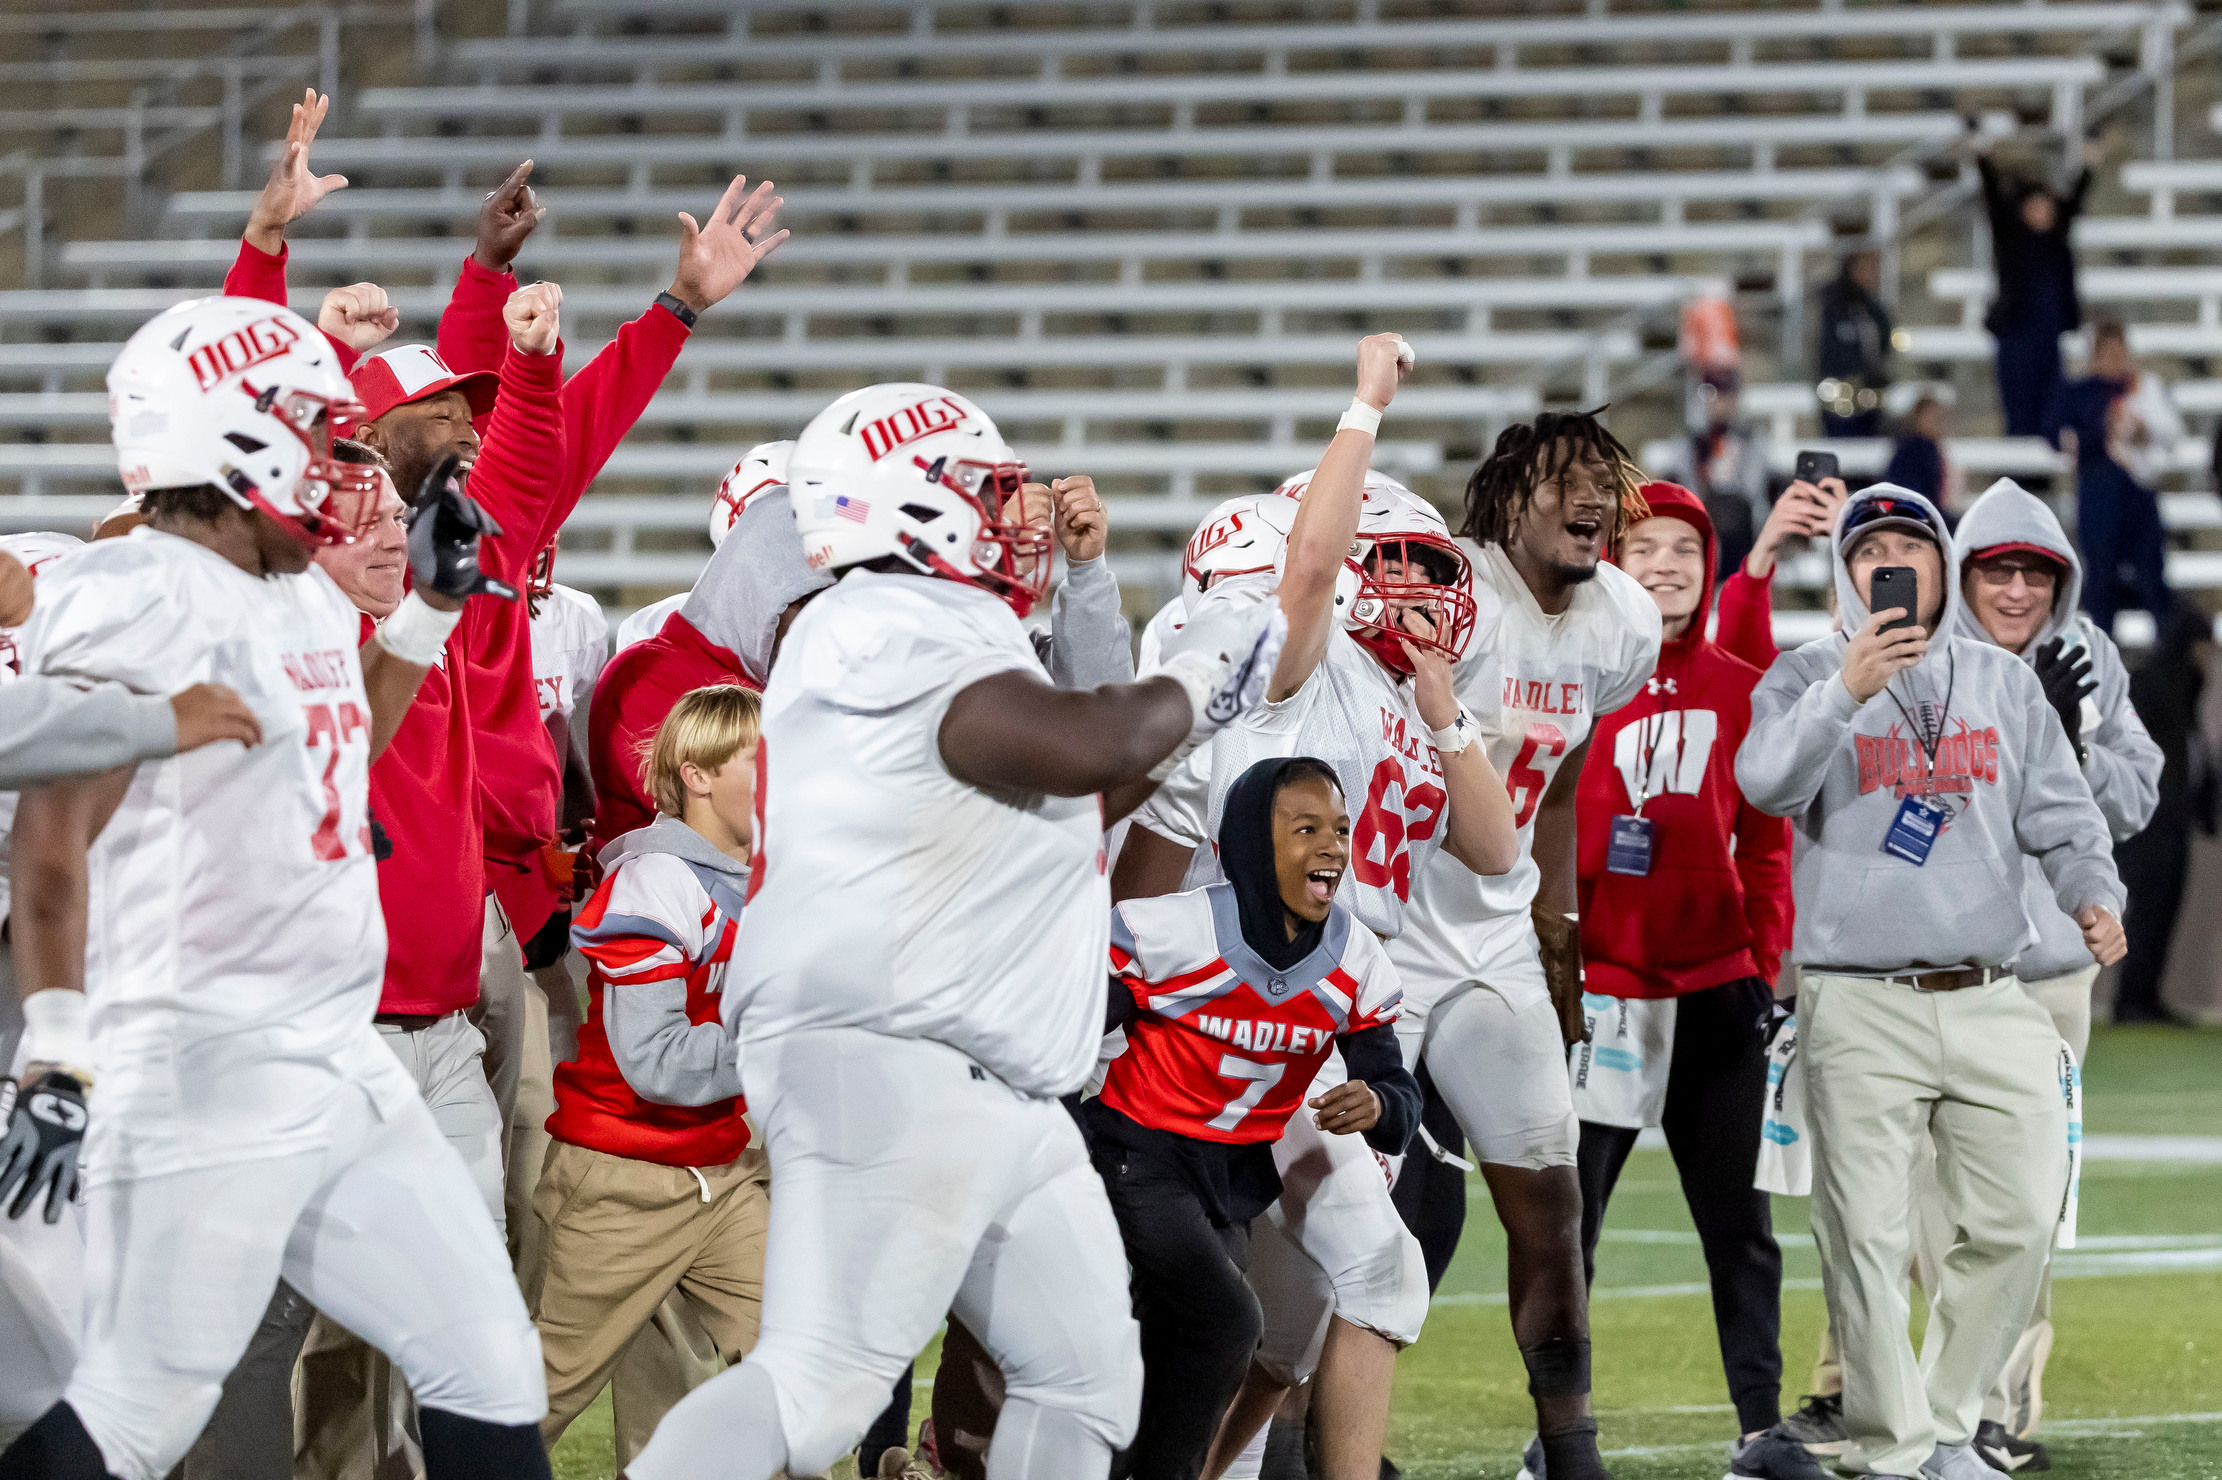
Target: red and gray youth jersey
[1223, 1047]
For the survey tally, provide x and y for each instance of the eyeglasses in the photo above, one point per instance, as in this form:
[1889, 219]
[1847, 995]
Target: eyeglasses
[2038, 577]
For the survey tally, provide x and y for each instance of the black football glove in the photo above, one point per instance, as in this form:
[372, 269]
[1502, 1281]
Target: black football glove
[445, 526]
[45, 1128]
[2067, 679]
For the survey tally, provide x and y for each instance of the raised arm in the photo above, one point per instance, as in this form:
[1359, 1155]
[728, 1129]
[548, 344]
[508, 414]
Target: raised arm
[291, 192]
[1089, 640]
[1326, 523]
[1480, 829]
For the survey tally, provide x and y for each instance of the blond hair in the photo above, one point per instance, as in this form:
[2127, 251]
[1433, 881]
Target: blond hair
[706, 728]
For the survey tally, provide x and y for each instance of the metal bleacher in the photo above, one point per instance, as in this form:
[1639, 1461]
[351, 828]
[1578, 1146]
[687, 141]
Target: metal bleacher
[1144, 233]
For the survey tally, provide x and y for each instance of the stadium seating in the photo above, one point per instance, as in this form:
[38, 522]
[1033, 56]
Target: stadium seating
[1144, 234]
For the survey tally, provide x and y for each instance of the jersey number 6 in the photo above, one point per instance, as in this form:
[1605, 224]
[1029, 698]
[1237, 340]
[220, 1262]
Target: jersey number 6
[1527, 780]
[1379, 855]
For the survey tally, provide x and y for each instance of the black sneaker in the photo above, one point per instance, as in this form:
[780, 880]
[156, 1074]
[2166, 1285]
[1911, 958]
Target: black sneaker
[1772, 1455]
[1531, 1460]
[2002, 1451]
[1819, 1424]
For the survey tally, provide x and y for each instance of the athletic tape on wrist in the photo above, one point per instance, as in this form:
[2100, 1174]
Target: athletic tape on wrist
[1360, 418]
[54, 1030]
[418, 631]
[1455, 736]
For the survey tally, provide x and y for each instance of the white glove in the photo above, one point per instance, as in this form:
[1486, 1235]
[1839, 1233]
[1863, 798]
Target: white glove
[1225, 662]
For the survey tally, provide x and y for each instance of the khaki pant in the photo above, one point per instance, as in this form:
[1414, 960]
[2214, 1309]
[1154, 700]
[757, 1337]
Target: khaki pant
[513, 1014]
[1888, 1068]
[622, 1236]
[2017, 1400]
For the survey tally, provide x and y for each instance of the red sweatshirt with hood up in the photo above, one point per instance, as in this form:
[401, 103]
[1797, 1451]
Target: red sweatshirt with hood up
[1715, 905]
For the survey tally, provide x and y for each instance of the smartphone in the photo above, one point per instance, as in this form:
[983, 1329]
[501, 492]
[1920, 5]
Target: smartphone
[1895, 586]
[1814, 466]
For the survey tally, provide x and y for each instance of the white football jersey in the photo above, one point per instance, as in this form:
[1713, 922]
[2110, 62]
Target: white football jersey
[648, 621]
[885, 893]
[1359, 718]
[1535, 683]
[1158, 631]
[570, 643]
[235, 946]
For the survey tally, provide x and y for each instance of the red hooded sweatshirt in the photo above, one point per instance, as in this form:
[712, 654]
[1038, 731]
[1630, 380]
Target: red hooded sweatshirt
[520, 774]
[1715, 905]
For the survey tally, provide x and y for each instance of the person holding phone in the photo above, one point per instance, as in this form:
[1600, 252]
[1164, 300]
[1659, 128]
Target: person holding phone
[1745, 604]
[1922, 765]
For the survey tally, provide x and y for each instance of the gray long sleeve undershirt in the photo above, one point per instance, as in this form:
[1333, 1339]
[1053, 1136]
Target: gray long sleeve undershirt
[51, 727]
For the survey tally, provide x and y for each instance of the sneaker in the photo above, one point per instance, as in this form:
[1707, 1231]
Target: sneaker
[1772, 1455]
[1954, 1462]
[1819, 1424]
[2002, 1451]
[1531, 1460]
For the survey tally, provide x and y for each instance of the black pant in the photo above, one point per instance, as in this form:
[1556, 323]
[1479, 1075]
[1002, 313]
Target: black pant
[2154, 866]
[1200, 1321]
[1430, 1195]
[1715, 1090]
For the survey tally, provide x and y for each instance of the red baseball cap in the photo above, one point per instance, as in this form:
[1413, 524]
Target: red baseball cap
[2021, 547]
[412, 372]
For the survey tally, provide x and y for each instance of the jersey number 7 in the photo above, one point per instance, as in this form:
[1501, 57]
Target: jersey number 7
[335, 728]
[1262, 1077]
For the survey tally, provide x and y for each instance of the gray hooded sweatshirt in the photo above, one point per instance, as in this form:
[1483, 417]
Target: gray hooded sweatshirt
[2124, 765]
[663, 1056]
[759, 569]
[2004, 772]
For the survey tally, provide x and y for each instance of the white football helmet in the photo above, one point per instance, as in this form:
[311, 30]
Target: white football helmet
[1404, 556]
[1242, 536]
[764, 467]
[920, 473]
[36, 547]
[241, 394]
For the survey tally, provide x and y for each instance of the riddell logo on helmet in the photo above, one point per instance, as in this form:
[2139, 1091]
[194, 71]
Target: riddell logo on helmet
[241, 349]
[909, 424]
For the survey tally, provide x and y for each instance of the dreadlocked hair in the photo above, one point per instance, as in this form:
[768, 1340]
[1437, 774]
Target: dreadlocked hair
[1530, 454]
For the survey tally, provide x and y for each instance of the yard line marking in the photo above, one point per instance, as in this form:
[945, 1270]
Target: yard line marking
[2066, 1265]
[2095, 1148]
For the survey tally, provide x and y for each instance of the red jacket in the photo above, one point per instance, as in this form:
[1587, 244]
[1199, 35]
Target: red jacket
[631, 698]
[636, 935]
[259, 274]
[425, 786]
[1715, 905]
[1747, 618]
[521, 776]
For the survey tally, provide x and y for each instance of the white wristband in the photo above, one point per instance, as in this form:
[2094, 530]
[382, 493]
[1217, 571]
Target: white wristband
[418, 631]
[1455, 736]
[1360, 418]
[54, 1031]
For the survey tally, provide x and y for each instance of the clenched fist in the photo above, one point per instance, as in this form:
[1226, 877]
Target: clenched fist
[358, 316]
[1383, 361]
[2102, 934]
[534, 318]
[15, 591]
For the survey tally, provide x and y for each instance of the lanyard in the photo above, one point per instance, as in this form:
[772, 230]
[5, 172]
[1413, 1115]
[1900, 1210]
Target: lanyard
[1651, 751]
[1930, 743]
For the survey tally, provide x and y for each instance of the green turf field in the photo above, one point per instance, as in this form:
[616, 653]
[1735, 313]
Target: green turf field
[2133, 1392]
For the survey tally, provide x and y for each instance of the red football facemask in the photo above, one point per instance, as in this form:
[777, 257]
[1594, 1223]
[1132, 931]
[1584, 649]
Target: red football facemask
[1407, 574]
[338, 501]
[1013, 556]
